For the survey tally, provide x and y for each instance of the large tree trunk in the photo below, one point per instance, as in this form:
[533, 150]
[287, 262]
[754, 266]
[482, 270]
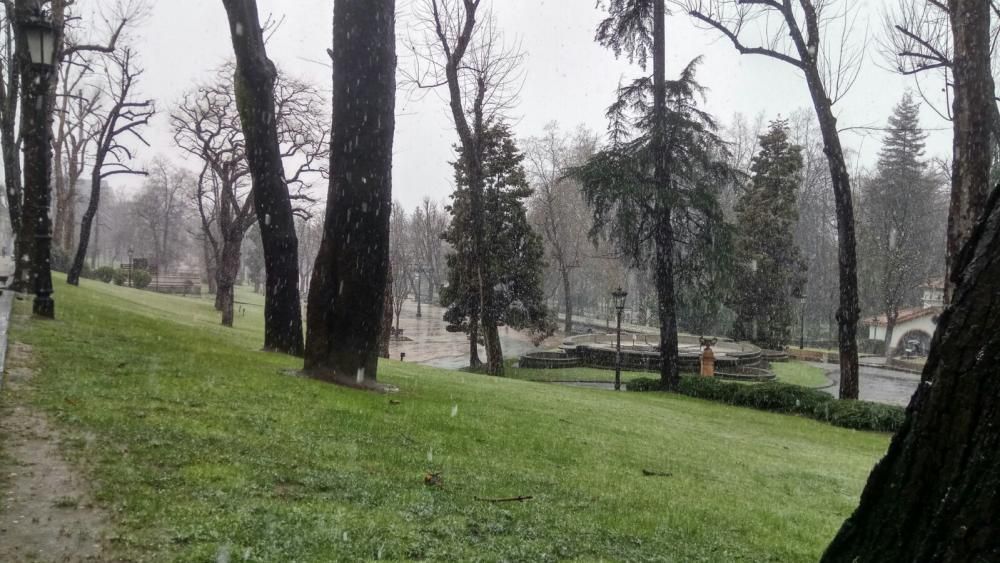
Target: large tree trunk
[974, 96]
[935, 495]
[474, 361]
[890, 327]
[210, 267]
[9, 150]
[228, 272]
[849, 311]
[255, 78]
[494, 351]
[386, 335]
[347, 292]
[669, 355]
[73, 277]
[568, 300]
[666, 305]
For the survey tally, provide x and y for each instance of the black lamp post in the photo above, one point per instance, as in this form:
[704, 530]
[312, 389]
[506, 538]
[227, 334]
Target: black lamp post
[130, 253]
[39, 36]
[802, 322]
[619, 296]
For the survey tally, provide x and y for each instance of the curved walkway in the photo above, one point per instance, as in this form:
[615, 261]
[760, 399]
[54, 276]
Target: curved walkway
[878, 385]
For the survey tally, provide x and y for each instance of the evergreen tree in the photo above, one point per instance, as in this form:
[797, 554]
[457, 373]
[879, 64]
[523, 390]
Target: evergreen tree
[898, 218]
[770, 268]
[646, 214]
[513, 253]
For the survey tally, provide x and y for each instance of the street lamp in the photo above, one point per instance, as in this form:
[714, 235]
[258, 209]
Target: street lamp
[619, 296]
[802, 321]
[130, 253]
[39, 36]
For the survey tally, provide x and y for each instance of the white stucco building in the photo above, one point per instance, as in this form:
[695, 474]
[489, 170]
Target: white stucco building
[913, 326]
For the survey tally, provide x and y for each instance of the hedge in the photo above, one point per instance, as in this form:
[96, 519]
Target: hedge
[786, 398]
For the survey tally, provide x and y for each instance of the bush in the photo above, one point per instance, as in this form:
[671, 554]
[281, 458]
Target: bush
[780, 397]
[861, 415]
[120, 277]
[141, 279]
[105, 274]
[709, 388]
[786, 398]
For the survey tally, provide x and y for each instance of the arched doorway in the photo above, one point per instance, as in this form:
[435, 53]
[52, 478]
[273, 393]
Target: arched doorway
[914, 343]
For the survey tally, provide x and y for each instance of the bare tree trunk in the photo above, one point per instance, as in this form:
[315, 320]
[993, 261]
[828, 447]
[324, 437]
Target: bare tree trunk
[9, 148]
[890, 327]
[568, 297]
[474, 361]
[669, 355]
[347, 292]
[255, 78]
[970, 179]
[849, 311]
[386, 334]
[210, 267]
[73, 277]
[667, 307]
[228, 272]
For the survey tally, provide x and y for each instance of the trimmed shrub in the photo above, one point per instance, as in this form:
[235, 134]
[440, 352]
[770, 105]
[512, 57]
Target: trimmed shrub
[786, 398]
[780, 397]
[141, 279]
[861, 415]
[120, 277]
[105, 274]
[709, 388]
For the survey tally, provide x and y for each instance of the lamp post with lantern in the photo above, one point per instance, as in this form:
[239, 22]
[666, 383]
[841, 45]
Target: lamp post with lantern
[37, 43]
[619, 296]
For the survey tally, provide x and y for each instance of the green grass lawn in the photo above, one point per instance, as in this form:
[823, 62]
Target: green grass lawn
[799, 373]
[200, 445]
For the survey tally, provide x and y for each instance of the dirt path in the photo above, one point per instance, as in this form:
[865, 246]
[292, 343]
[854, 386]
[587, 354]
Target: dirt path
[45, 508]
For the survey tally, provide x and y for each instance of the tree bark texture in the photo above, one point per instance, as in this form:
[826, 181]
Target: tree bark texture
[254, 81]
[568, 299]
[848, 311]
[347, 291]
[667, 310]
[935, 496]
[972, 107]
[226, 275]
[666, 301]
[386, 335]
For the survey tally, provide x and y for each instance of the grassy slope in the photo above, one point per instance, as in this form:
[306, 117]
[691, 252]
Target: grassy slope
[199, 444]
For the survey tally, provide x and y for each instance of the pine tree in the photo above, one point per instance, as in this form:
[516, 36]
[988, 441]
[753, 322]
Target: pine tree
[513, 253]
[897, 216]
[769, 266]
[645, 213]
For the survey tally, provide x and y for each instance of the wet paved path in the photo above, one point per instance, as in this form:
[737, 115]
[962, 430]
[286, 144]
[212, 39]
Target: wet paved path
[876, 384]
[431, 344]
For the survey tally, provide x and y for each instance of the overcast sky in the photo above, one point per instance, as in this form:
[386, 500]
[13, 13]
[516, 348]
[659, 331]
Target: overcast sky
[569, 78]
